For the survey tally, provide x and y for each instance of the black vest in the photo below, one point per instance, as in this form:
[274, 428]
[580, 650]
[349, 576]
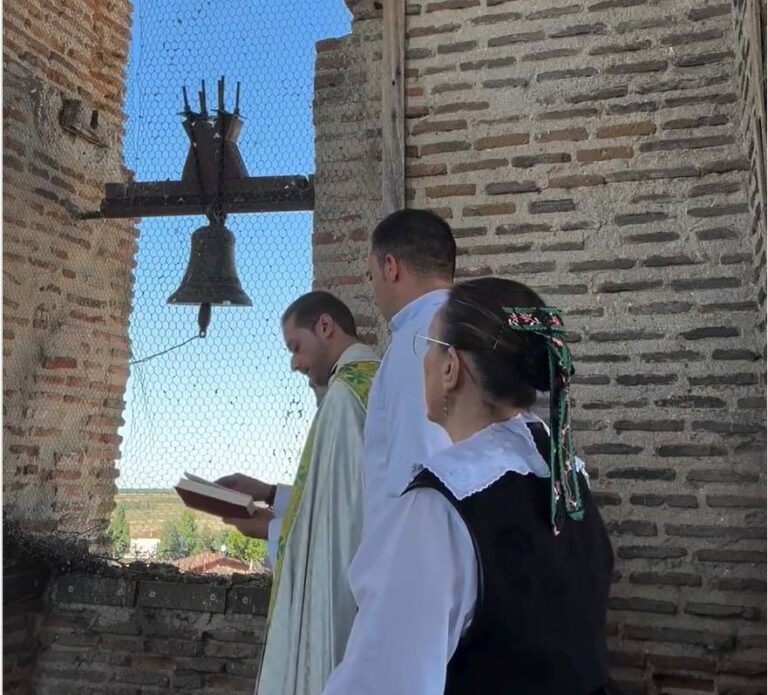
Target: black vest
[539, 621]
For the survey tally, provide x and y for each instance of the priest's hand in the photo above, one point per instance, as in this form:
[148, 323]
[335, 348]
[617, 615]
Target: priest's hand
[258, 489]
[255, 527]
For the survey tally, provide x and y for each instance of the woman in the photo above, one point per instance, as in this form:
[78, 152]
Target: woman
[489, 575]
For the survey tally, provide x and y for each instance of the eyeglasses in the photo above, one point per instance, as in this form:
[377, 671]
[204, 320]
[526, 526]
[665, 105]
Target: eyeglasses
[421, 344]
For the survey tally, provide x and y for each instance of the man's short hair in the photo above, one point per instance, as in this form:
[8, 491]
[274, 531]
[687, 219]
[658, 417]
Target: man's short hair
[308, 308]
[420, 239]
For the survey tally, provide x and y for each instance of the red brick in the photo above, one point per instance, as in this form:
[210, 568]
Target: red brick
[451, 5]
[489, 209]
[576, 181]
[624, 130]
[438, 126]
[458, 106]
[46, 432]
[479, 165]
[442, 147]
[415, 111]
[65, 475]
[24, 449]
[421, 170]
[450, 190]
[507, 140]
[60, 363]
[604, 153]
[564, 135]
[322, 238]
[13, 163]
[433, 30]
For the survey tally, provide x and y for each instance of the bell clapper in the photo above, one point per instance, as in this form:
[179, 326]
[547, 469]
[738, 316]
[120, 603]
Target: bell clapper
[204, 319]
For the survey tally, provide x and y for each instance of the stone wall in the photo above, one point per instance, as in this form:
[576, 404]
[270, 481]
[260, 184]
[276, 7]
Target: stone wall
[596, 151]
[21, 625]
[130, 634]
[66, 283]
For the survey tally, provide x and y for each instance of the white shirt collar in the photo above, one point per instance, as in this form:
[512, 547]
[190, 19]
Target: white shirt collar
[414, 308]
[476, 463]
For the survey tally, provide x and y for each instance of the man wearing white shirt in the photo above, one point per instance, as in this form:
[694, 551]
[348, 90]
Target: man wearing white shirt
[410, 266]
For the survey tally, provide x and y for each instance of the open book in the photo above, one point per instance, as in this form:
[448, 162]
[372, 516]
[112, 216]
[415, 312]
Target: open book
[198, 493]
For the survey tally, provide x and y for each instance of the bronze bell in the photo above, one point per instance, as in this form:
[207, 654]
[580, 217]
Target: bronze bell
[211, 277]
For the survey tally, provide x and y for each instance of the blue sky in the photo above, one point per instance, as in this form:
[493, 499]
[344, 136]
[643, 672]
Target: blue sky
[227, 402]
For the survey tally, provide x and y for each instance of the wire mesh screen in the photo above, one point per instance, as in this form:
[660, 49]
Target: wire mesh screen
[228, 402]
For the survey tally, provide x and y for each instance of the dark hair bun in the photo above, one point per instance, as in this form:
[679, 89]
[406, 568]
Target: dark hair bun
[512, 364]
[526, 358]
[537, 365]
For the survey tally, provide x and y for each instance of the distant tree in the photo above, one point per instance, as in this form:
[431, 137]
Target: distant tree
[181, 537]
[244, 548]
[210, 540]
[188, 534]
[170, 546]
[119, 532]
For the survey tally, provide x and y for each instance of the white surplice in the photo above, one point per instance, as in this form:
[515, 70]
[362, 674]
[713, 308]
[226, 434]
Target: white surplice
[314, 608]
[415, 575]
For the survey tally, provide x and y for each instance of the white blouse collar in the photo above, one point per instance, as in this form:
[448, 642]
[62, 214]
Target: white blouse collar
[476, 463]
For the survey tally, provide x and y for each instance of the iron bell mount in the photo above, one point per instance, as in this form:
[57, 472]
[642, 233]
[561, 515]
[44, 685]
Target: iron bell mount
[211, 277]
[214, 183]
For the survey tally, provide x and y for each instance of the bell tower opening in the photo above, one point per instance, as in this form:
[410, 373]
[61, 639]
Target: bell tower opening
[228, 402]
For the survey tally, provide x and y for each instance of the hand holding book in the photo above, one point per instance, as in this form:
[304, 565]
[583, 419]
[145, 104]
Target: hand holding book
[255, 488]
[219, 500]
[255, 527]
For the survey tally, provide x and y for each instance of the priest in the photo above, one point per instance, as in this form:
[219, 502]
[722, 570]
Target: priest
[313, 527]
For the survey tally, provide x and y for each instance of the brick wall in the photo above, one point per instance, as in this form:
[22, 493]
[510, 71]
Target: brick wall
[594, 149]
[66, 283]
[21, 624]
[749, 23]
[127, 634]
[346, 114]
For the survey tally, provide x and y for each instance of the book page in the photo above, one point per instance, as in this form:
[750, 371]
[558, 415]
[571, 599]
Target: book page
[197, 479]
[216, 492]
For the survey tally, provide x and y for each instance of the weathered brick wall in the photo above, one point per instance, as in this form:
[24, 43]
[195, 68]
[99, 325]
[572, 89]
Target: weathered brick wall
[346, 113]
[595, 150]
[66, 283]
[749, 23]
[125, 635]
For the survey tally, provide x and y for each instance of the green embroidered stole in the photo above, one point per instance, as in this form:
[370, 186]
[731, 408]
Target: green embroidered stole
[358, 377]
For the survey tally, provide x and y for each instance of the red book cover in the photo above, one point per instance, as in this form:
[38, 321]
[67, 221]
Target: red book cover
[210, 505]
